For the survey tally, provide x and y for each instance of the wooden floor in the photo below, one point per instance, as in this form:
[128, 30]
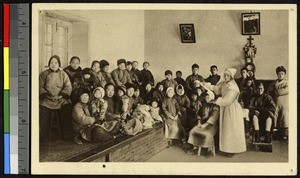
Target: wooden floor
[279, 154]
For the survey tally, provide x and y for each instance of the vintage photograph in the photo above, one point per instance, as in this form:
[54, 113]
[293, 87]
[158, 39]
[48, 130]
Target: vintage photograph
[115, 84]
[251, 23]
[187, 33]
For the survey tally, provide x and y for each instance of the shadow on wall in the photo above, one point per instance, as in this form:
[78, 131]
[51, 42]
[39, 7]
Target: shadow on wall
[236, 19]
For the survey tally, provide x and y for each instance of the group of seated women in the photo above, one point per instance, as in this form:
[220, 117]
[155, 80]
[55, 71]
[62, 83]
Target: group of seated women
[95, 105]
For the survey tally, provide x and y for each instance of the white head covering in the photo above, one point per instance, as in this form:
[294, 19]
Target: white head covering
[232, 71]
[177, 88]
[170, 89]
[101, 90]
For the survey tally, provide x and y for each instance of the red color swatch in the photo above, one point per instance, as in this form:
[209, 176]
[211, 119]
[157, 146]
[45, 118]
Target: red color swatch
[6, 20]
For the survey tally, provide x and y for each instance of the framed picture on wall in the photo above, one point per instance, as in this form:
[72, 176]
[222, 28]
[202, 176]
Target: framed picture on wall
[251, 23]
[187, 33]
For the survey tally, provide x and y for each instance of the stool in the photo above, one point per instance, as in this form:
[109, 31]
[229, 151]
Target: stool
[258, 145]
[213, 151]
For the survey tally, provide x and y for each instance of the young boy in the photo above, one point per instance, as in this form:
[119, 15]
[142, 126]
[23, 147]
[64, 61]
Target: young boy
[113, 109]
[241, 81]
[73, 69]
[193, 110]
[104, 68]
[137, 98]
[98, 105]
[155, 111]
[247, 93]
[133, 76]
[159, 93]
[146, 75]
[120, 75]
[99, 80]
[179, 79]
[169, 81]
[171, 110]
[148, 93]
[214, 77]
[184, 103]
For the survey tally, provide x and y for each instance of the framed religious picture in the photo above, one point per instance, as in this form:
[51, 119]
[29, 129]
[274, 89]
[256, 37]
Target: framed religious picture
[251, 23]
[187, 33]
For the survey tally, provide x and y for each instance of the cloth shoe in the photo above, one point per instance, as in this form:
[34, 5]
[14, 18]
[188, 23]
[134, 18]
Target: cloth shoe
[256, 136]
[268, 137]
[193, 151]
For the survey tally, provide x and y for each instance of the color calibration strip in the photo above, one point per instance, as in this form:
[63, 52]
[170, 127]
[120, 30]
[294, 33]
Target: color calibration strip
[16, 88]
[6, 37]
[13, 88]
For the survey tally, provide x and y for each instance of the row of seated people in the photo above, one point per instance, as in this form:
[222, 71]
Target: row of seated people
[98, 113]
[273, 103]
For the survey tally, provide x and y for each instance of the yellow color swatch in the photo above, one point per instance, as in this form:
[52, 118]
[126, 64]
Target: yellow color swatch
[6, 67]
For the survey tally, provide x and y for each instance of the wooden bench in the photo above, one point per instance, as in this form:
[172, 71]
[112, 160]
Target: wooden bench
[140, 147]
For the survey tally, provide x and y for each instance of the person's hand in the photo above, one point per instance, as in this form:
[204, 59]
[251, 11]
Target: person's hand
[203, 126]
[63, 95]
[46, 95]
[213, 101]
[199, 125]
[251, 108]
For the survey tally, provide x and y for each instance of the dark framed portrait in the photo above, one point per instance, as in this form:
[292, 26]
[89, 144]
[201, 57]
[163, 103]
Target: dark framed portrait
[251, 23]
[187, 33]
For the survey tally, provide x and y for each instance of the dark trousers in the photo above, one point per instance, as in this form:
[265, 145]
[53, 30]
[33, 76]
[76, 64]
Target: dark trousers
[60, 117]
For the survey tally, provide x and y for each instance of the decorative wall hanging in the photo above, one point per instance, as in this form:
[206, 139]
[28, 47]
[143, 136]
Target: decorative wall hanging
[187, 33]
[249, 52]
[251, 23]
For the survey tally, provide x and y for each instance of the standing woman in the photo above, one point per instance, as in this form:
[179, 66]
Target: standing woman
[279, 90]
[232, 134]
[55, 90]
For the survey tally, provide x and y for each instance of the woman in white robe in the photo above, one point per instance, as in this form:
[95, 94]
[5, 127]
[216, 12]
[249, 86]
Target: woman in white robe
[231, 123]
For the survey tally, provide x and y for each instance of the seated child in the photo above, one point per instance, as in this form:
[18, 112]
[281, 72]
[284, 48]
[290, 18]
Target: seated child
[133, 76]
[84, 80]
[193, 111]
[73, 69]
[99, 80]
[113, 109]
[137, 98]
[202, 135]
[200, 93]
[127, 101]
[98, 106]
[147, 93]
[84, 123]
[184, 103]
[159, 93]
[171, 110]
[155, 112]
[122, 101]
